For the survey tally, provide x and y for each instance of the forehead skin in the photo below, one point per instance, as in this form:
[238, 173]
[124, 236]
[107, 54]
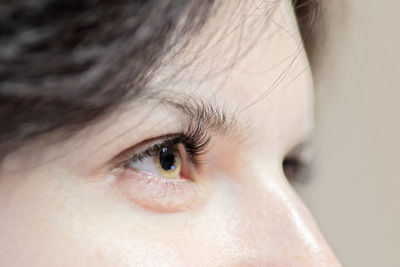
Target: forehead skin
[249, 57]
[246, 59]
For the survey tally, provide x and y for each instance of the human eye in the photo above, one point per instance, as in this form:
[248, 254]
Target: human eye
[162, 174]
[164, 160]
[296, 164]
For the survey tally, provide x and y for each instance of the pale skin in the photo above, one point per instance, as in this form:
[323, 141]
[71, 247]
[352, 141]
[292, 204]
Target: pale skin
[67, 203]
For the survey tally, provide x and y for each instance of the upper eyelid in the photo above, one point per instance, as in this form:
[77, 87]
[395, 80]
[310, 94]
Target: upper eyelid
[304, 151]
[151, 149]
[125, 155]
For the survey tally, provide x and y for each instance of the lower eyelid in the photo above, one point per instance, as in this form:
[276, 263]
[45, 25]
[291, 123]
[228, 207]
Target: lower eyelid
[155, 193]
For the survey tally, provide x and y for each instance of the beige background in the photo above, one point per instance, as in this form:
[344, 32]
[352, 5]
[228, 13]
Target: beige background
[355, 195]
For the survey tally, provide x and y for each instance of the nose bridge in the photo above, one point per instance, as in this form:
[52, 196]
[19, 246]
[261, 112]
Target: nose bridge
[300, 221]
[283, 227]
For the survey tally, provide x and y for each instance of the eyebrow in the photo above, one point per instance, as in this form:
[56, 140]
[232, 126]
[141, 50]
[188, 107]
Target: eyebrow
[211, 113]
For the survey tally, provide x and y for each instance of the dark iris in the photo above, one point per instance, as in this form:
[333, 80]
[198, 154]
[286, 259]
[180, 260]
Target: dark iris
[167, 159]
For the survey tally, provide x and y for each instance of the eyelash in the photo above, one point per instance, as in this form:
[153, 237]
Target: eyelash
[195, 141]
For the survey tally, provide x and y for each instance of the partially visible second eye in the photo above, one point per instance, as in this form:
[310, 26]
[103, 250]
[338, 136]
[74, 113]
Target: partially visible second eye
[296, 164]
[291, 168]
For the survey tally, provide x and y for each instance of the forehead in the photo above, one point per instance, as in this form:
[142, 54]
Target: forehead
[249, 55]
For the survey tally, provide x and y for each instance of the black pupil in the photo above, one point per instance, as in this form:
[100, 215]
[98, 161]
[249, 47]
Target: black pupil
[167, 159]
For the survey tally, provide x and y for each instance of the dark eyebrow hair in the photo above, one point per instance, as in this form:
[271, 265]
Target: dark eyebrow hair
[209, 112]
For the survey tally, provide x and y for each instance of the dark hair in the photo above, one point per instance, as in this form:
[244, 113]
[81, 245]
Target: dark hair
[64, 63]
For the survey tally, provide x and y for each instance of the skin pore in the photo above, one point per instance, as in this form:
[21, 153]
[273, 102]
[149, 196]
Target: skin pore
[243, 82]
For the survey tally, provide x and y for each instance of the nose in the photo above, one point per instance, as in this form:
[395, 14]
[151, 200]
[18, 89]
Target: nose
[278, 228]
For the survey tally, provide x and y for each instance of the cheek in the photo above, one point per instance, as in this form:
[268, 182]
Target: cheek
[58, 218]
[241, 224]
[156, 194]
